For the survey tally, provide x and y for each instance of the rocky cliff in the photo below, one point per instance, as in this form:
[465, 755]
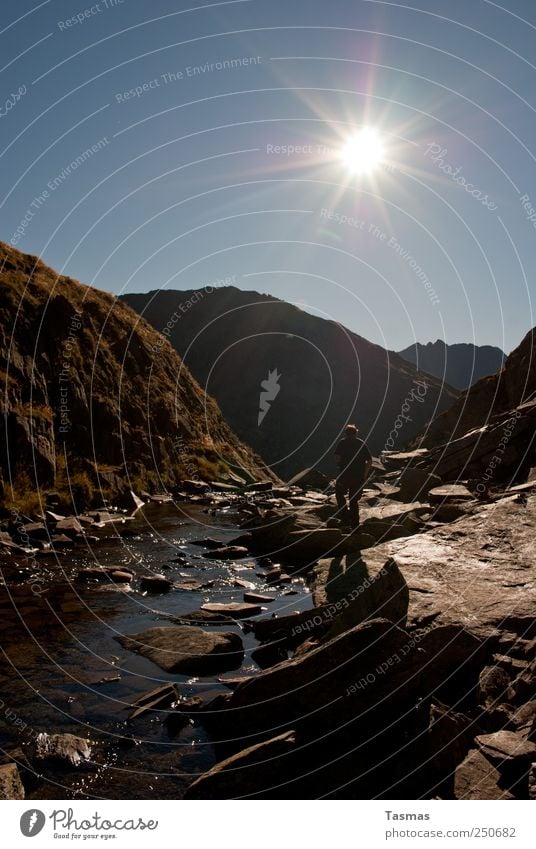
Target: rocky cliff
[94, 399]
[288, 381]
[460, 365]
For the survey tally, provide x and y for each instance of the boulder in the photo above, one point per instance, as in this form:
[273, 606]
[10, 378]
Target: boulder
[354, 595]
[450, 736]
[337, 682]
[477, 778]
[255, 771]
[62, 747]
[187, 650]
[523, 688]
[155, 584]
[414, 484]
[10, 782]
[478, 573]
[455, 657]
[493, 683]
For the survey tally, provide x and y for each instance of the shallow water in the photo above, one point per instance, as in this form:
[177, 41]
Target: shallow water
[55, 654]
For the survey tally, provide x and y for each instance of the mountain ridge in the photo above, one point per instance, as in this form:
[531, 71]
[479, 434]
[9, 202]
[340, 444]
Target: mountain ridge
[461, 364]
[231, 339]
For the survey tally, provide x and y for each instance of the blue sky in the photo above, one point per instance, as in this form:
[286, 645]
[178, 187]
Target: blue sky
[147, 144]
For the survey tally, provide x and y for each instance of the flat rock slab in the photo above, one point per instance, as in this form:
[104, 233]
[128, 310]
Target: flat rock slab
[452, 491]
[506, 746]
[227, 552]
[478, 572]
[236, 609]
[248, 773]
[258, 598]
[187, 650]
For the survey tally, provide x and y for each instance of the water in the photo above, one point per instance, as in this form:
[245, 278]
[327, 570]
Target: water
[58, 647]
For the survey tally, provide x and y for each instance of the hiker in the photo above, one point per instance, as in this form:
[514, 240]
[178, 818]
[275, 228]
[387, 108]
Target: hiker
[354, 461]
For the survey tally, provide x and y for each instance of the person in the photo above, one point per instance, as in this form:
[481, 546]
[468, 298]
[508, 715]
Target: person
[354, 461]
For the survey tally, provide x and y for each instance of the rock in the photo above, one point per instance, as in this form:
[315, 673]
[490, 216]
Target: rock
[477, 778]
[255, 771]
[523, 688]
[273, 575]
[532, 782]
[62, 747]
[310, 545]
[208, 542]
[187, 650]
[235, 609]
[243, 584]
[355, 596]
[455, 658]
[493, 684]
[309, 479]
[61, 541]
[449, 738]
[158, 699]
[524, 720]
[190, 585]
[120, 577]
[259, 486]
[228, 552]
[269, 654]
[92, 573]
[321, 689]
[71, 527]
[479, 573]
[10, 782]
[194, 486]
[413, 485]
[35, 530]
[506, 746]
[452, 492]
[258, 598]
[155, 584]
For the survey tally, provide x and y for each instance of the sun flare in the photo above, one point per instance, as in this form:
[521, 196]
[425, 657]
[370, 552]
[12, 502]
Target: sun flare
[363, 152]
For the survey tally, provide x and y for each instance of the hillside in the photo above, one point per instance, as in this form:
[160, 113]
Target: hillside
[460, 365]
[287, 381]
[94, 399]
[490, 397]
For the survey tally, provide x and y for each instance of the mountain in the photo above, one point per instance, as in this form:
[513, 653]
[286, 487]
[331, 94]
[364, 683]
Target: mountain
[287, 381]
[491, 397]
[94, 400]
[460, 365]
[488, 436]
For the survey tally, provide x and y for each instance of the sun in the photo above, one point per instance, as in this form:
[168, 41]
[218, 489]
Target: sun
[363, 152]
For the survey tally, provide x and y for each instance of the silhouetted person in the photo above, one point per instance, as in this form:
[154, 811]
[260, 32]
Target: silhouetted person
[354, 461]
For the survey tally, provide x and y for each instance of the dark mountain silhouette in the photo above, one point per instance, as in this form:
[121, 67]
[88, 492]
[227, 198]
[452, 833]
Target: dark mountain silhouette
[94, 398]
[287, 381]
[460, 365]
[491, 397]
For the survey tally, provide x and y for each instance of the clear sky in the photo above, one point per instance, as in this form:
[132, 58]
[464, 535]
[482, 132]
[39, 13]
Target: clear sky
[176, 144]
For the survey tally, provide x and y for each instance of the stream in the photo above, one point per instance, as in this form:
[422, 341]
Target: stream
[62, 669]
